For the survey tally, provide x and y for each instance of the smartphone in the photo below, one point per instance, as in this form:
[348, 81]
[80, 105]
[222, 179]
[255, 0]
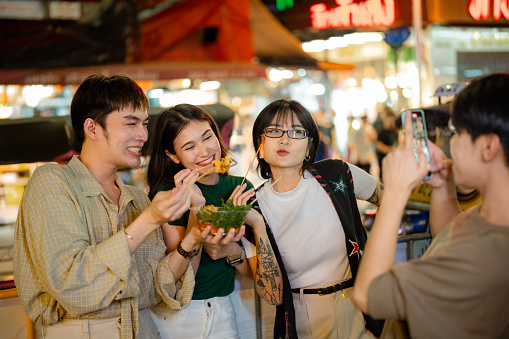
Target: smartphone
[420, 134]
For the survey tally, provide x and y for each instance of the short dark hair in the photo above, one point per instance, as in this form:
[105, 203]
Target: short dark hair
[169, 124]
[482, 108]
[283, 110]
[99, 95]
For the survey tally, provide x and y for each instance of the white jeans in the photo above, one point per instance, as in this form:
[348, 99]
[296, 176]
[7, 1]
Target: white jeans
[212, 318]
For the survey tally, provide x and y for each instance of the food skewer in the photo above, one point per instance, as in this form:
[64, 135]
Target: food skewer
[204, 174]
[197, 169]
[251, 164]
[265, 191]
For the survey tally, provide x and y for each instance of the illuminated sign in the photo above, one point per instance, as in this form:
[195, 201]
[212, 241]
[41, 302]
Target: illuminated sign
[284, 4]
[480, 9]
[358, 14]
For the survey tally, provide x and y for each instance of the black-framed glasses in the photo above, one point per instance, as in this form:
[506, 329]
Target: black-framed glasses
[292, 133]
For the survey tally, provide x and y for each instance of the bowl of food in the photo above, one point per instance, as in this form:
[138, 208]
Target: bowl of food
[226, 217]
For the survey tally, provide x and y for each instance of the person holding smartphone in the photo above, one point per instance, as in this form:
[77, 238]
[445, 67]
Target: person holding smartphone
[458, 289]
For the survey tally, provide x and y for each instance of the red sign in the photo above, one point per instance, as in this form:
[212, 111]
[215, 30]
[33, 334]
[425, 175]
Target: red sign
[358, 14]
[480, 9]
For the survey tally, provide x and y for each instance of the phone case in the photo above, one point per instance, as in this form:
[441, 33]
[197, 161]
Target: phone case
[420, 135]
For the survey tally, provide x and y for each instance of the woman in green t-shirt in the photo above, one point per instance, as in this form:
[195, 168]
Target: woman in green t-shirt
[185, 143]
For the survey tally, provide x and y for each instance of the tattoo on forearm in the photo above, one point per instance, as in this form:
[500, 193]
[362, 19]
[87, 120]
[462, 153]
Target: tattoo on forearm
[267, 271]
[270, 269]
[374, 198]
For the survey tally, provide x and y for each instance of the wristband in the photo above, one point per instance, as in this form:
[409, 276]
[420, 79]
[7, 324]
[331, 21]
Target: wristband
[186, 254]
[237, 261]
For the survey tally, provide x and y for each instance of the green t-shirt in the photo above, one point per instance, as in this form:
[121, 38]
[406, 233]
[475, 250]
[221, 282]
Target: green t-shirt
[214, 278]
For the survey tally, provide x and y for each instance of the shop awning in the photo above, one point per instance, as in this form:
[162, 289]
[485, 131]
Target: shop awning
[137, 71]
[205, 39]
[220, 30]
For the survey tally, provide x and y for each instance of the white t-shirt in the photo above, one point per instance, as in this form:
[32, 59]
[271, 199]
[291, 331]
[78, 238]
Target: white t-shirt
[308, 231]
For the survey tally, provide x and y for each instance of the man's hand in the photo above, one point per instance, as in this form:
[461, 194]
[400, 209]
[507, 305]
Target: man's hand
[441, 167]
[400, 170]
[170, 205]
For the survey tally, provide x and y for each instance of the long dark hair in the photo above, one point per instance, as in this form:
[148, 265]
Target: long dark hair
[283, 110]
[169, 124]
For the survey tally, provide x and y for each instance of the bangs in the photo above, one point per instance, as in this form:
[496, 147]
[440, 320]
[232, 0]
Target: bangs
[286, 115]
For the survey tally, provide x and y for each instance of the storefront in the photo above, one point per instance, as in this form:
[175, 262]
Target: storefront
[468, 39]
[241, 87]
[395, 64]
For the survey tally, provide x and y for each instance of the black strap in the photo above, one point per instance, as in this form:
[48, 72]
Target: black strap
[325, 290]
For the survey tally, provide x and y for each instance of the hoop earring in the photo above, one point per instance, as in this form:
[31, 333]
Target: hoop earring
[261, 153]
[307, 157]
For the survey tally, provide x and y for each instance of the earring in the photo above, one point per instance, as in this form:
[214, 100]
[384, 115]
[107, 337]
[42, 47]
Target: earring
[261, 152]
[307, 157]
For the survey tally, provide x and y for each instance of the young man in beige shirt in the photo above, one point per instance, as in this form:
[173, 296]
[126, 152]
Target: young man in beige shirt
[89, 257]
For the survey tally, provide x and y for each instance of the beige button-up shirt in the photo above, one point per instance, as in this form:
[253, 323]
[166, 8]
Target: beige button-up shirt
[71, 257]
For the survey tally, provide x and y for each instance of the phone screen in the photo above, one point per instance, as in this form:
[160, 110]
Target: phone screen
[420, 135]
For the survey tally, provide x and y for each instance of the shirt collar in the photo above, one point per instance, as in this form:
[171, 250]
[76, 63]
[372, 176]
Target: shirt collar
[91, 186]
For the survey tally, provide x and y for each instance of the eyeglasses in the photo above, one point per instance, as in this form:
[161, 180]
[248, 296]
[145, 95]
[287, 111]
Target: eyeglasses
[292, 133]
[451, 126]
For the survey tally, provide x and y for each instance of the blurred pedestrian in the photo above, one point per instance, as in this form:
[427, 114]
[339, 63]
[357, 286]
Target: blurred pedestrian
[387, 138]
[327, 149]
[361, 145]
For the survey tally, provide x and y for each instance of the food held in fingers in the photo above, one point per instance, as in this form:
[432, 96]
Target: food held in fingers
[227, 216]
[222, 166]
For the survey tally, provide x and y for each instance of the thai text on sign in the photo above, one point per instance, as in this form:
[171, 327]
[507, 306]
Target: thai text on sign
[358, 14]
[480, 9]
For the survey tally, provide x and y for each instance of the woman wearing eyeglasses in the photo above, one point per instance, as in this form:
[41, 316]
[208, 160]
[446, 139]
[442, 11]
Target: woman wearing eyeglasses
[313, 224]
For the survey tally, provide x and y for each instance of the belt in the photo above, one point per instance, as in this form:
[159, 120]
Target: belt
[325, 290]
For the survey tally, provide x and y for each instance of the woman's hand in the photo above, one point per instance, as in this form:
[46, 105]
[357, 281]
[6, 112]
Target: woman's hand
[240, 197]
[195, 237]
[217, 251]
[187, 177]
[231, 236]
[255, 221]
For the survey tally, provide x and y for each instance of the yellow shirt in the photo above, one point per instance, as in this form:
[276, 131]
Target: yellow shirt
[71, 257]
